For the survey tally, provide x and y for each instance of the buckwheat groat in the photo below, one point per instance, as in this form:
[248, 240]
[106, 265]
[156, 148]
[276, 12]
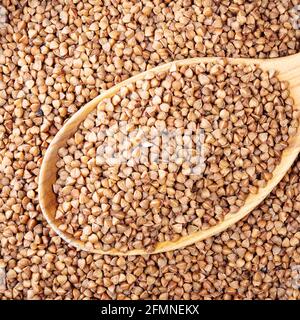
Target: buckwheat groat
[67, 52]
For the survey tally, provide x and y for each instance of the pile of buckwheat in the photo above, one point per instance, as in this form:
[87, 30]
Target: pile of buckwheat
[115, 193]
[55, 56]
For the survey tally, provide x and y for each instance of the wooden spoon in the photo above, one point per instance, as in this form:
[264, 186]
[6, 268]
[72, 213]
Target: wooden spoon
[287, 68]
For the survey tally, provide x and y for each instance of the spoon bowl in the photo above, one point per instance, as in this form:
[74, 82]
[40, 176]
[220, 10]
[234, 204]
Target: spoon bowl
[287, 69]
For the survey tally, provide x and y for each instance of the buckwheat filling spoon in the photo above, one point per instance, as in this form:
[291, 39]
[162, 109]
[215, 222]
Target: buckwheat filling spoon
[286, 68]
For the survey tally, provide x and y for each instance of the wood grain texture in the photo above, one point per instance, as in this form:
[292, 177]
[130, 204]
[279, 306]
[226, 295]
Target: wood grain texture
[288, 70]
